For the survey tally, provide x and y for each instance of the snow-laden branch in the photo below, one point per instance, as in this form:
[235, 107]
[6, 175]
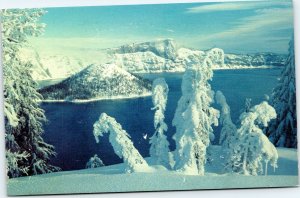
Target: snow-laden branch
[122, 145]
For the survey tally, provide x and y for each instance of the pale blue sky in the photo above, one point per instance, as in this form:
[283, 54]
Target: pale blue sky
[241, 27]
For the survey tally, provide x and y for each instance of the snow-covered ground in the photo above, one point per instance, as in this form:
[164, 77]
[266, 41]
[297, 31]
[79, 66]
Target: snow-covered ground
[112, 179]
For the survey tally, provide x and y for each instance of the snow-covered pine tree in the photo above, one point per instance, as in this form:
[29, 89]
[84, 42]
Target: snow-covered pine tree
[194, 117]
[229, 130]
[229, 138]
[26, 151]
[122, 145]
[159, 149]
[283, 130]
[253, 147]
[94, 162]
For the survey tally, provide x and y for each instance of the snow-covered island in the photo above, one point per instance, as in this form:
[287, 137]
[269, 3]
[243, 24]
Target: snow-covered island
[97, 82]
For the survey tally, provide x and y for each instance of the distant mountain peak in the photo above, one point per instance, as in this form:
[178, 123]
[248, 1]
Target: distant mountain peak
[165, 48]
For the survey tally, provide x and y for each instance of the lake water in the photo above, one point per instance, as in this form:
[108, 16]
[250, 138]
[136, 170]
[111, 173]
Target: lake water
[70, 126]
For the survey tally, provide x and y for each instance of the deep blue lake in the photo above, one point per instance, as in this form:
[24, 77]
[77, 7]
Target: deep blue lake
[70, 126]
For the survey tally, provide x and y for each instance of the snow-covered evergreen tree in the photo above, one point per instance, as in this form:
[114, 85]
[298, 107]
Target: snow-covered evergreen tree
[122, 145]
[283, 130]
[194, 117]
[94, 162]
[229, 137]
[23, 116]
[253, 148]
[159, 149]
[229, 131]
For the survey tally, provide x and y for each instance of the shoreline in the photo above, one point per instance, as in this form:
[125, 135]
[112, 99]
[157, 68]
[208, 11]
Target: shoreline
[217, 68]
[97, 99]
[247, 67]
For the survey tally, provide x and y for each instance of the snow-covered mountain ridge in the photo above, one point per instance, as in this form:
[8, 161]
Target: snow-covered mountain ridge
[97, 82]
[163, 48]
[255, 60]
[148, 57]
[165, 56]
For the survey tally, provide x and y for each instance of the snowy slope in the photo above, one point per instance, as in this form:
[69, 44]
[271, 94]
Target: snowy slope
[63, 66]
[96, 82]
[56, 66]
[39, 71]
[112, 179]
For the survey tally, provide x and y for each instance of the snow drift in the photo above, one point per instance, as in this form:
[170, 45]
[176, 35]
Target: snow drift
[113, 179]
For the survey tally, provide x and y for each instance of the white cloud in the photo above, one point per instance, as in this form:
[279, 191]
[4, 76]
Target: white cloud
[266, 20]
[236, 6]
[170, 30]
[263, 31]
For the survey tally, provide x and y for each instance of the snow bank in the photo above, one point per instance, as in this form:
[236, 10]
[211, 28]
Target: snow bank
[112, 179]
